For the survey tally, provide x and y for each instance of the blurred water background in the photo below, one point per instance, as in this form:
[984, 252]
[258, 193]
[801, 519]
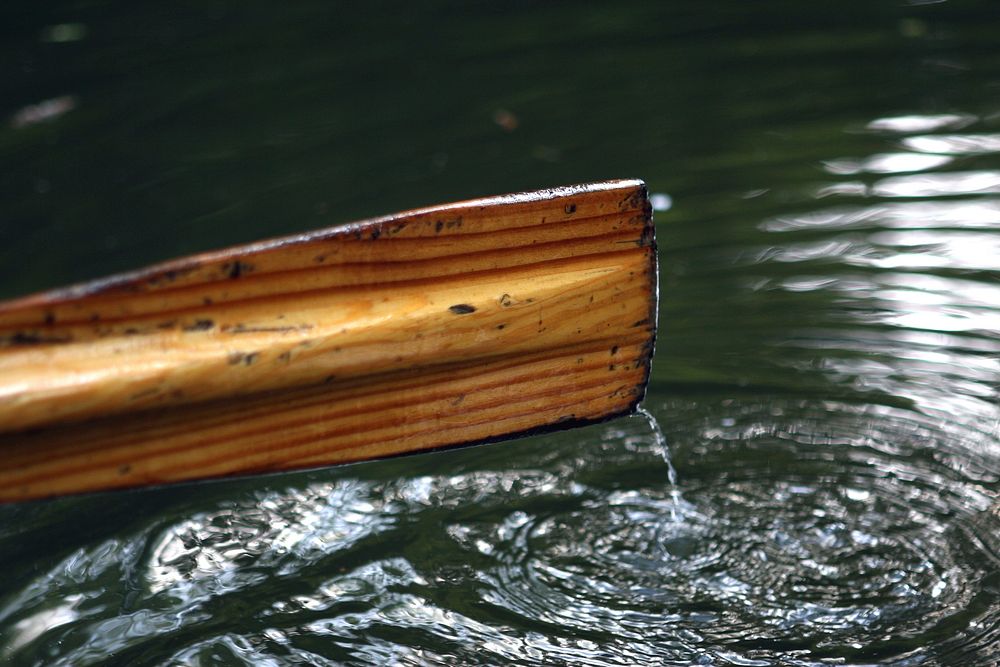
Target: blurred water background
[828, 186]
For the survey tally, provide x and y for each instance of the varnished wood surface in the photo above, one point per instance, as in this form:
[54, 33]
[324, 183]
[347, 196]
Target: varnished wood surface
[449, 325]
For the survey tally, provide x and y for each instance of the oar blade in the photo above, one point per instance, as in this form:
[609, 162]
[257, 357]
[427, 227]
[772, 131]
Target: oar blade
[447, 326]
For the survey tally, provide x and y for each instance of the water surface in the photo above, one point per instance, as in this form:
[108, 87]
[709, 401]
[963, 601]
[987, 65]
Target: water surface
[826, 374]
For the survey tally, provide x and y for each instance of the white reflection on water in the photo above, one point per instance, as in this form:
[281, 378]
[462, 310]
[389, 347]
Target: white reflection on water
[967, 251]
[62, 33]
[300, 524]
[912, 296]
[911, 249]
[946, 184]
[921, 123]
[940, 351]
[31, 628]
[74, 590]
[939, 185]
[44, 111]
[967, 214]
[954, 144]
[886, 163]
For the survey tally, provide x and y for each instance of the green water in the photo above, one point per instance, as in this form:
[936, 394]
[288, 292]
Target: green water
[826, 373]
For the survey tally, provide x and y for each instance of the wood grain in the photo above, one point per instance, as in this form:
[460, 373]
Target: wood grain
[450, 325]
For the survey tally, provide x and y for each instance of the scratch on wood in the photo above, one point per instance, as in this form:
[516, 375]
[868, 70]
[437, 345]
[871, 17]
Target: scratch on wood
[242, 328]
[146, 393]
[31, 338]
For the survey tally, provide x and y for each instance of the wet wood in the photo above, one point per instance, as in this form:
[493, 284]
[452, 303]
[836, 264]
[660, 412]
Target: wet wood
[451, 325]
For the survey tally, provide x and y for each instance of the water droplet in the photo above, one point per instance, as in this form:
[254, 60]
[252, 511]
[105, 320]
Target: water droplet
[661, 201]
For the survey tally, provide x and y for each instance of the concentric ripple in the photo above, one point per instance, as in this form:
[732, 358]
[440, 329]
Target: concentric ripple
[806, 533]
[795, 551]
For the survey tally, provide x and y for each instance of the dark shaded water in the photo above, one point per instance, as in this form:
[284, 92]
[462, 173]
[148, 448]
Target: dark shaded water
[826, 375]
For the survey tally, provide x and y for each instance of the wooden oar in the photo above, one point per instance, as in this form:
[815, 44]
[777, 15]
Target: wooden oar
[451, 325]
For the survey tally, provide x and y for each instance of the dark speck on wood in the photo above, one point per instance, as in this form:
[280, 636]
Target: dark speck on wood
[462, 309]
[31, 338]
[236, 269]
[200, 325]
[242, 358]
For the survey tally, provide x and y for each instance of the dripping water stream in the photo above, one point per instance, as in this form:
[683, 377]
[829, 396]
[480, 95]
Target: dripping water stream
[664, 449]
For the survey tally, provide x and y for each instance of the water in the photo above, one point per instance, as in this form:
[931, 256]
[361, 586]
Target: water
[664, 447]
[826, 374]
